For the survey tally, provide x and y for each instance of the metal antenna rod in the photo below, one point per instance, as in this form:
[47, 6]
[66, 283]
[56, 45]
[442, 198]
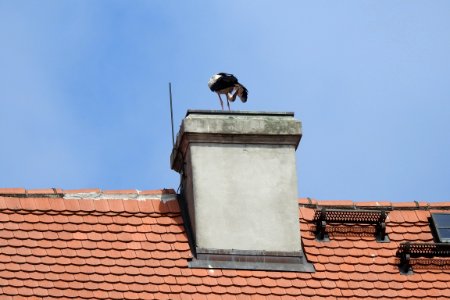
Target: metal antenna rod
[171, 114]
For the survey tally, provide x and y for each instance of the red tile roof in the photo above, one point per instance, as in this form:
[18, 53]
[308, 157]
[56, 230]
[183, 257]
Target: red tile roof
[89, 244]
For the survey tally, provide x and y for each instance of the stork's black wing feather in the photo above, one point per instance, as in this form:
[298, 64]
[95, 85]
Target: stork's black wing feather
[224, 81]
[229, 78]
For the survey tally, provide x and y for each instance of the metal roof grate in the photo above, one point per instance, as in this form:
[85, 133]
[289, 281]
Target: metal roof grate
[341, 216]
[409, 250]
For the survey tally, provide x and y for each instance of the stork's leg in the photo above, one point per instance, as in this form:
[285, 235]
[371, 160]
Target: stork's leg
[221, 102]
[228, 103]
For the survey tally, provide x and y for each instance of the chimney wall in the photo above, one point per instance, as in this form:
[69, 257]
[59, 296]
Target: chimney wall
[239, 179]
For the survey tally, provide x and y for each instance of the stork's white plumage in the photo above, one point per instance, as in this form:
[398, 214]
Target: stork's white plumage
[224, 83]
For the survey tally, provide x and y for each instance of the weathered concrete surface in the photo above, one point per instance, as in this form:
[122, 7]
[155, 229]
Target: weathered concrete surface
[242, 123]
[245, 197]
[240, 179]
[235, 128]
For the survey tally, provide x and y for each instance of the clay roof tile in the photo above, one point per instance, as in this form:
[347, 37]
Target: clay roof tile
[86, 248]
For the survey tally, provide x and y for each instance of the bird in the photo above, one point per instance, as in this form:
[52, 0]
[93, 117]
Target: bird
[224, 83]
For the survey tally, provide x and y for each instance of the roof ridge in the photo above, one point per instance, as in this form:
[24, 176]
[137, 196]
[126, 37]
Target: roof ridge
[162, 194]
[347, 204]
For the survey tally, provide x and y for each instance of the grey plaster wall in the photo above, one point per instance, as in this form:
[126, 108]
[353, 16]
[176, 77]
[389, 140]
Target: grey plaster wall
[245, 197]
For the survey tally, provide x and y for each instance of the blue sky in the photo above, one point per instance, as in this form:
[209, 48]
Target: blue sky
[84, 89]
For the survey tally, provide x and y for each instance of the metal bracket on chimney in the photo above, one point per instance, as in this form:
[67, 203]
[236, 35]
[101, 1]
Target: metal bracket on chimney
[408, 250]
[341, 216]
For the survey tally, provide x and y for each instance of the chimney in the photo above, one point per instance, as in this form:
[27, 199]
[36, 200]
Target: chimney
[239, 189]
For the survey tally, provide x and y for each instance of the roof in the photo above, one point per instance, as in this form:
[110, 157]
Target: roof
[92, 244]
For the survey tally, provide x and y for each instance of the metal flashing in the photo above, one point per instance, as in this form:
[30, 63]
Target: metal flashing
[251, 260]
[187, 222]
[237, 112]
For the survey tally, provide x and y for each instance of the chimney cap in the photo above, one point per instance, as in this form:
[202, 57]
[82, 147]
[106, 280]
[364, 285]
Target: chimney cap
[238, 112]
[234, 127]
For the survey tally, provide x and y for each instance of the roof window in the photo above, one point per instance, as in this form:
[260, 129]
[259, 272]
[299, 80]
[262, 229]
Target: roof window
[441, 223]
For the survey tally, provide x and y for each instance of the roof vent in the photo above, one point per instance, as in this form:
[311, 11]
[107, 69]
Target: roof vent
[239, 185]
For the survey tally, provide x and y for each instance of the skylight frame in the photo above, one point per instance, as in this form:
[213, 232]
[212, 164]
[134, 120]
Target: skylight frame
[443, 237]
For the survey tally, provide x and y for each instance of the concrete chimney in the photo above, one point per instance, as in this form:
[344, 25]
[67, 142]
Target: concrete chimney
[239, 189]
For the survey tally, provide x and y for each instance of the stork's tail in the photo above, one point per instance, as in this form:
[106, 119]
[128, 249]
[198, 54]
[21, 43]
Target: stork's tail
[242, 92]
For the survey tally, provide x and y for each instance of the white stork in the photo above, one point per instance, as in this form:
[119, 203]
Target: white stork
[223, 83]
